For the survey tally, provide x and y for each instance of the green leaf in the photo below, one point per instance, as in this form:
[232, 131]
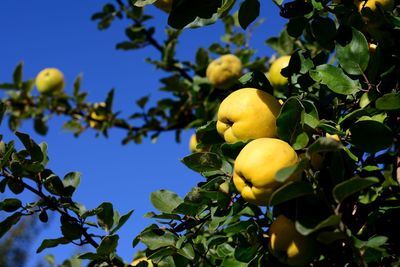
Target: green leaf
[238, 227]
[290, 119]
[388, 102]
[54, 185]
[186, 11]
[157, 238]
[249, 10]
[51, 243]
[335, 79]
[232, 262]
[17, 75]
[70, 228]
[165, 201]
[71, 181]
[208, 134]
[324, 144]
[141, 3]
[43, 217]
[306, 228]
[8, 222]
[203, 162]
[2, 111]
[324, 30]
[351, 186]
[363, 131]
[40, 125]
[187, 251]
[34, 150]
[285, 173]
[108, 245]
[290, 191]
[256, 79]
[283, 45]
[354, 56]
[89, 256]
[105, 217]
[142, 101]
[121, 221]
[10, 204]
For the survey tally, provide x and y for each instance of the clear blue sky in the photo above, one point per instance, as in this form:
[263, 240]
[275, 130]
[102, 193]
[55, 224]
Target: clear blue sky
[48, 33]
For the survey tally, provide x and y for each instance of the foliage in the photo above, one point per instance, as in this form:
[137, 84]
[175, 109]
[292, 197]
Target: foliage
[337, 86]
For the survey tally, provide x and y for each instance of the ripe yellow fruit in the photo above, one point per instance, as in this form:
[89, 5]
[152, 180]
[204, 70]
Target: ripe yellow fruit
[224, 71]
[387, 5]
[164, 5]
[246, 114]
[287, 245]
[256, 166]
[333, 136]
[193, 144]
[139, 260]
[96, 116]
[274, 76]
[50, 80]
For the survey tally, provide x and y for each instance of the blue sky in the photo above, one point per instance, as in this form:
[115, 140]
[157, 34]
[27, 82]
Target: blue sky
[47, 33]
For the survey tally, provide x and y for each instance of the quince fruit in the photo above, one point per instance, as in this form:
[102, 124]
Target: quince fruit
[97, 115]
[50, 80]
[246, 114]
[141, 259]
[224, 71]
[274, 76]
[288, 245]
[256, 166]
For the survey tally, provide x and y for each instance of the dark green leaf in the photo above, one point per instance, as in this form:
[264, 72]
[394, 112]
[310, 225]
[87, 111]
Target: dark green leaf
[362, 131]
[157, 238]
[351, 186]
[335, 79]
[15, 186]
[7, 223]
[324, 144]
[51, 243]
[17, 75]
[43, 217]
[142, 101]
[108, 245]
[290, 191]
[121, 221]
[388, 102]
[105, 217]
[71, 181]
[249, 10]
[165, 201]
[354, 55]
[89, 256]
[256, 79]
[208, 134]
[10, 204]
[238, 227]
[54, 185]
[70, 228]
[290, 119]
[285, 173]
[323, 29]
[306, 227]
[2, 111]
[40, 125]
[203, 162]
[34, 150]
